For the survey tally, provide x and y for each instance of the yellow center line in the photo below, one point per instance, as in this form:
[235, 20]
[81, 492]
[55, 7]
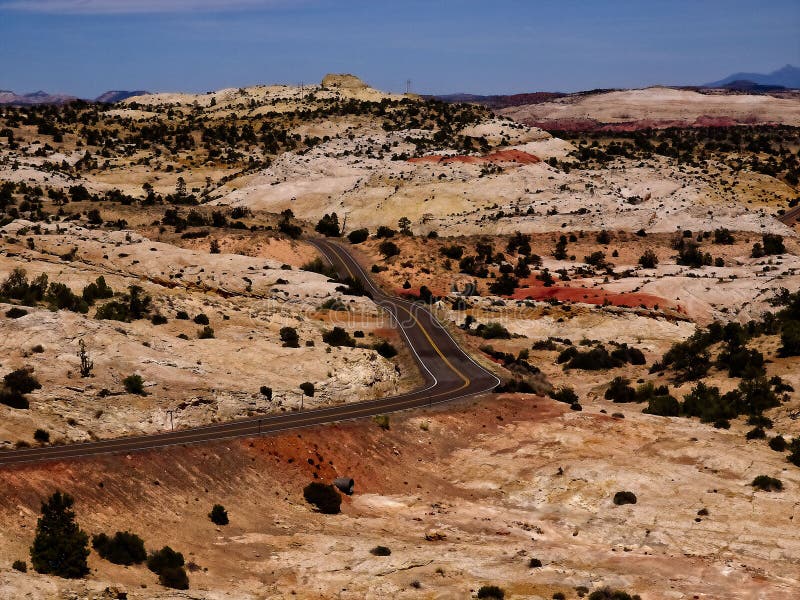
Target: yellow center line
[463, 377]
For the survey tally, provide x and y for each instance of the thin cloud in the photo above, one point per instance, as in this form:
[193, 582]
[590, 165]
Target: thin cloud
[135, 6]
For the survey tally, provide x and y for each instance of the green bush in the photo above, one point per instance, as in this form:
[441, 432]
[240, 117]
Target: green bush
[60, 547]
[202, 319]
[318, 265]
[16, 312]
[382, 421]
[206, 333]
[218, 515]
[790, 339]
[20, 565]
[767, 484]
[324, 497]
[308, 388]
[134, 384]
[380, 551]
[125, 548]
[42, 436]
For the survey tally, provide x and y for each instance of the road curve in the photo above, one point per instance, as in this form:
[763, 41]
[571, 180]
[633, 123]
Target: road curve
[449, 374]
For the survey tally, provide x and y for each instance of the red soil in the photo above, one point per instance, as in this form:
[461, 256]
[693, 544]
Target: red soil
[589, 296]
[503, 156]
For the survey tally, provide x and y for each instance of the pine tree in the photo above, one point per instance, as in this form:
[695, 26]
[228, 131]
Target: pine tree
[60, 546]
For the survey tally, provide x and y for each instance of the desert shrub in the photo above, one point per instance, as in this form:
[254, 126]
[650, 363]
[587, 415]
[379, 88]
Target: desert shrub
[338, 337]
[609, 594]
[41, 436]
[318, 265]
[353, 287]
[20, 565]
[201, 319]
[491, 331]
[620, 390]
[324, 497]
[380, 551]
[333, 304]
[166, 558]
[218, 515]
[790, 339]
[649, 259]
[385, 232]
[504, 285]
[491, 592]
[328, 225]
[690, 255]
[778, 443]
[289, 337]
[134, 384]
[382, 421]
[664, 406]
[266, 391]
[388, 249]
[182, 315]
[534, 563]
[628, 354]
[757, 433]
[594, 359]
[772, 243]
[385, 349]
[60, 547]
[158, 319]
[308, 388]
[623, 497]
[133, 305]
[453, 251]
[723, 236]
[689, 359]
[174, 577]
[565, 394]
[60, 297]
[206, 333]
[97, 290]
[358, 236]
[742, 362]
[124, 548]
[767, 483]
[16, 312]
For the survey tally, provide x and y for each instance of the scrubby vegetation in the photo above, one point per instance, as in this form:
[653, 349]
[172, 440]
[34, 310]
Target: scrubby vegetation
[124, 548]
[60, 546]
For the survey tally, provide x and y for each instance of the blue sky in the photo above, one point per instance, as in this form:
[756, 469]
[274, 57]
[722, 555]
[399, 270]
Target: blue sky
[85, 47]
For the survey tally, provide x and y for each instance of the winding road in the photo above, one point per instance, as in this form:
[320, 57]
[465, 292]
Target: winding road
[449, 374]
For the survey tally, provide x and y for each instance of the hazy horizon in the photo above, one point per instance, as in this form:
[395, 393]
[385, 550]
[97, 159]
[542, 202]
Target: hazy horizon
[86, 47]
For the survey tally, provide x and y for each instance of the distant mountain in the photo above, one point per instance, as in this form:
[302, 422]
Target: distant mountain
[113, 96]
[788, 77]
[9, 97]
[110, 97]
